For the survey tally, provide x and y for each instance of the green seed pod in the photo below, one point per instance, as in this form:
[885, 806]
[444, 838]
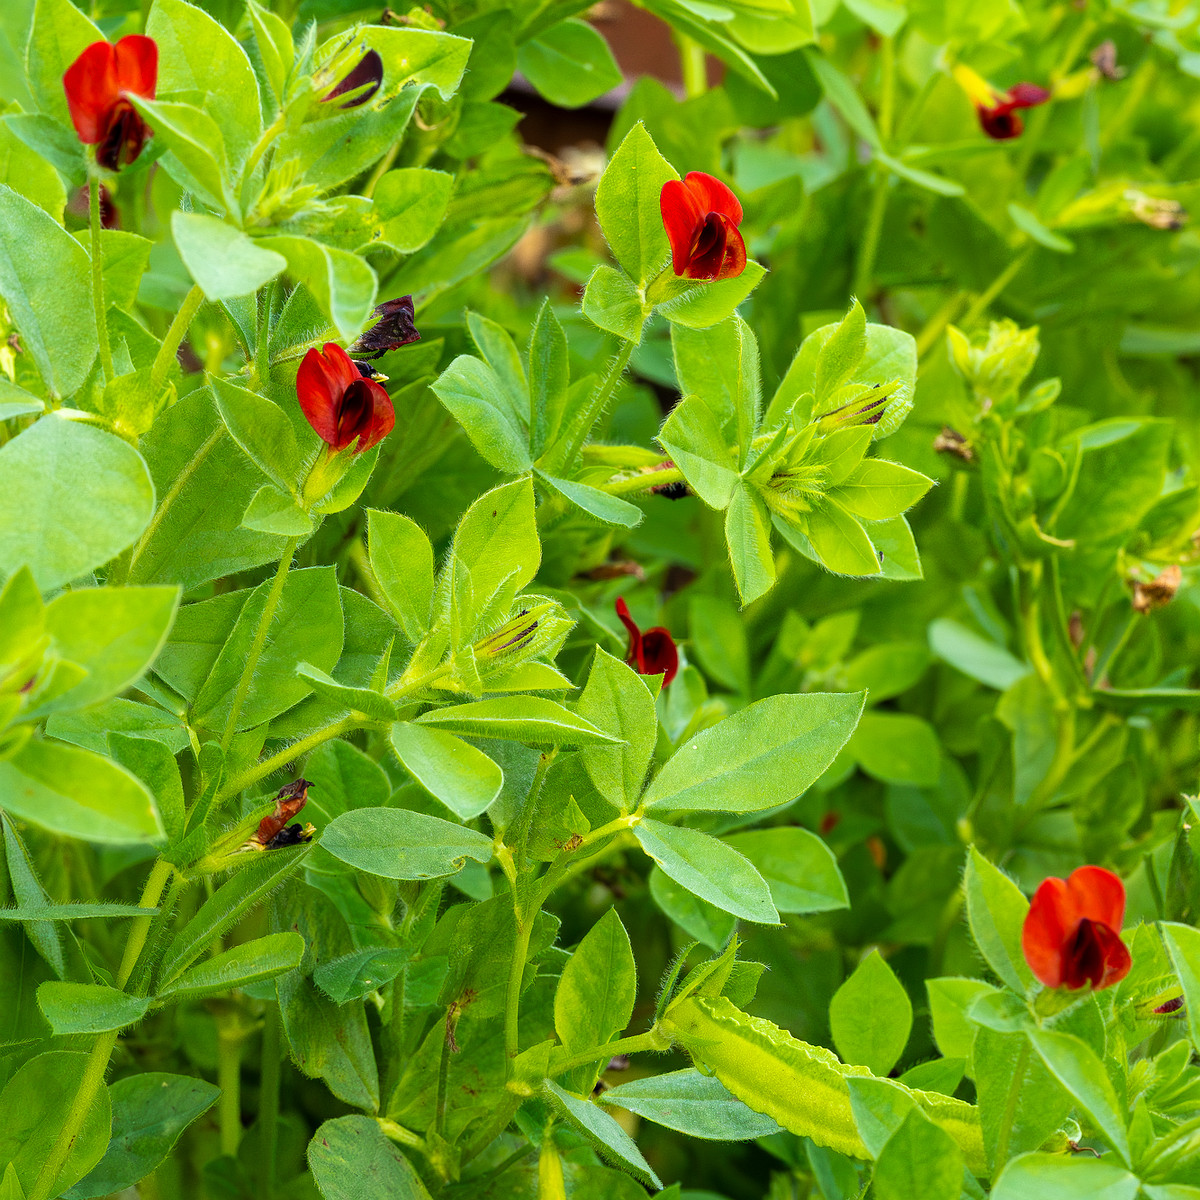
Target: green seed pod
[802, 1087]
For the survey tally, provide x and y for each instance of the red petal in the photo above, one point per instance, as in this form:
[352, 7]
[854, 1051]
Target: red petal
[1049, 922]
[137, 65]
[660, 654]
[1000, 123]
[634, 657]
[1117, 959]
[682, 218]
[92, 90]
[1098, 895]
[734, 262]
[1027, 95]
[713, 196]
[319, 388]
[382, 420]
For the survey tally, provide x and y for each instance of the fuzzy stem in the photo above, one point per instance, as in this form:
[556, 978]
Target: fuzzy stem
[260, 640]
[171, 343]
[268, 1099]
[106, 358]
[643, 481]
[652, 1040]
[512, 1003]
[229, 1079]
[591, 414]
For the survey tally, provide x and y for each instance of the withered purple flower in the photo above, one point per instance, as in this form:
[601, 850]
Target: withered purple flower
[394, 329]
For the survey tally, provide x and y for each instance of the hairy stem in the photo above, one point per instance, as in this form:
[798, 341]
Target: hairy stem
[651, 1040]
[588, 416]
[171, 343]
[106, 358]
[268, 1099]
[230, 1037]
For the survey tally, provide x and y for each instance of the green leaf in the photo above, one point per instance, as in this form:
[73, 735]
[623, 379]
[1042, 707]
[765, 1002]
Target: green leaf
[153, 762]
[611, 302]
[878, 490]
[196, 54]
[721, 365]
[78, 794]
[569, 63]
[764, 755]
[841, 93]
[343, 283]
[549, 379]
[274, 511]
[307, 628]
[996, 913]
[975, 655]
[692, 437]
[401, 559]
[35, 1105]
[474, 396]
[262, 429]
[748, 535]
[226, 907]
[1028, 224]
[222, 259]
[149, 1112]
[398, 844]
[116, 633]
[411, 202]
[276, 50]
[841, 353]
[352, 1160]
[243, 965]
[897, 748]
[919, 1159]
[700, 305]
[799, 868]
[612, 510]
[522, 718]
[596, 991]
[329, 1042]
[709, 869]
[75, 498]
[839, 540]
[45, 280]
[617, 701]
[602, 1131]
[359, 973]
[1183, 945]
[196, 158]
[462, 777]
[88, 1007]
[74, 911]
[708, 924]
[1056, 1177]
[870, 1016]
[627, 205]
[691, 1103]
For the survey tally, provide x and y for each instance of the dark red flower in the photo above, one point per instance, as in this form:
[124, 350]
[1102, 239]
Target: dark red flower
[339, 403]
[98, 86]
[1072, 933]
[650, 653]
[289, 800]
[394, 329]
[367, 75]
[701, 217]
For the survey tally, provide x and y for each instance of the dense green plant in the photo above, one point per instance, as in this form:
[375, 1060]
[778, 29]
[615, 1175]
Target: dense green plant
[573, 909]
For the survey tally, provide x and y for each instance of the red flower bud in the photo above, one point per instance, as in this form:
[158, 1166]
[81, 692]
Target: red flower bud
[367, 75]
[1072, 933]
[98, 86]
[701, 216]
[650, 653]
[339, 403]
[289, 800]
[1000, 120]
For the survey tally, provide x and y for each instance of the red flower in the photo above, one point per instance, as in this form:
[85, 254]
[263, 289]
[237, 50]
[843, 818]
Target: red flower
[701, 217]
[1072, 933]
[98, 86]
[339, 403]
[1000, 120]
[652, 652]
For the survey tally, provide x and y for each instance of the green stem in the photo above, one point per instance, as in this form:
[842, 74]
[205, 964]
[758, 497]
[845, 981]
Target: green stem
[1156, 895]
[936, 324]
[693, 65]
[106, 358]
[642, 482]
[229, 1079]
[651, 1040]
[252, 774]
[400, 1135]
[262, 340]
[443, 1079]
[865, 267]
[984, 300]
[600, 398]
[385, 165]
[171, 343]
[268, 1099]
[1015, 1087]
[512, 1005]
[260, 640]
[101, 1052]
